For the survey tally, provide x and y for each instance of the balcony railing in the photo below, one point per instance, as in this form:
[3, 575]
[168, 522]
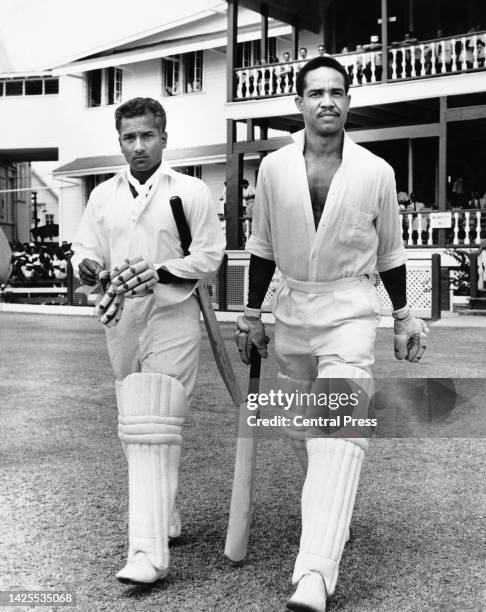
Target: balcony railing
[468, 228]
[411, 60]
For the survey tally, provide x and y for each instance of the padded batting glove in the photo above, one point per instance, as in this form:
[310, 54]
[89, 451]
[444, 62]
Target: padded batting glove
[251, 332]
[135, 275]
[411, 332]
[109, 309]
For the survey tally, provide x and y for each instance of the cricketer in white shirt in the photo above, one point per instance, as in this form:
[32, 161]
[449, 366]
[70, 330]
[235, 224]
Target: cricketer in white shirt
[326, 213]
[153, 335]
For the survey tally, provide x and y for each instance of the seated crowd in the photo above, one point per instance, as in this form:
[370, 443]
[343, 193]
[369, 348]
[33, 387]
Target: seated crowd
[32, 263]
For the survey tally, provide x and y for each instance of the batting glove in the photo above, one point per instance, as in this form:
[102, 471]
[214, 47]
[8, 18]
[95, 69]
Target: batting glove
[251, 332]
[110, 307]
[135, 275]
[411, 332]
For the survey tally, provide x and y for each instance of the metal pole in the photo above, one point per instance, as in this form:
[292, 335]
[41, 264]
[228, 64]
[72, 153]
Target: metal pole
[223, 283]
[70, 283]
[473, 274]
[436, 287]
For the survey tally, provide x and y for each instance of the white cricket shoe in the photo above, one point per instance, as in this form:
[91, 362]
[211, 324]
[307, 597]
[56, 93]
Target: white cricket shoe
[310, 595]
[139, 570]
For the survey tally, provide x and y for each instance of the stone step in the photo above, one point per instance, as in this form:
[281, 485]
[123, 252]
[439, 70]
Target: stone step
[478, 303]
[478, 312]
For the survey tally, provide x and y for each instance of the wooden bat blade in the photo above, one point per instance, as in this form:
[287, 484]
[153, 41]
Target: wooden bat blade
[218, 346]
[243, 493]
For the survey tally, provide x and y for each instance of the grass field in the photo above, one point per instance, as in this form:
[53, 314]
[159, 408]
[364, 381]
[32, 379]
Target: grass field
[417, 531]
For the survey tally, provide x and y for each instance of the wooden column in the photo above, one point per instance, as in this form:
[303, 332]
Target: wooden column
[443, 205]
[250, 130]
[410, 166]
[264, 32]
[231, 49]
[234, 176]
[384, 40]
[295, 37]
[411, 18]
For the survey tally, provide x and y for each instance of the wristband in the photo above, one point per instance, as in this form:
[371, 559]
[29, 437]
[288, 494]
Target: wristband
[401, 313]
[252, 313]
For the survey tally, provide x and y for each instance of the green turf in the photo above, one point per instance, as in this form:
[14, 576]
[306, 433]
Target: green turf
[417, 525]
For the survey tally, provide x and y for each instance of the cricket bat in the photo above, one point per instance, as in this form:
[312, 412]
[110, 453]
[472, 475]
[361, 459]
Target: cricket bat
[245, 462]
[242, 497]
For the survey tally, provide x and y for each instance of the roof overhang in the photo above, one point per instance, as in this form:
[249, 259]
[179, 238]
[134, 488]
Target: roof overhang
[173, 47]
[27, 155]
[106, 164]
[310, 12]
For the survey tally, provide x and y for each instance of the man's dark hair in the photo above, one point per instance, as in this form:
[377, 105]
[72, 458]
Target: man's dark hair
[318, 62]
[136, 107]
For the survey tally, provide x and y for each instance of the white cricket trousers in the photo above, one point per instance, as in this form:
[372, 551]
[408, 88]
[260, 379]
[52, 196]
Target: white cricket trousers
[327, 330]
[154, 339]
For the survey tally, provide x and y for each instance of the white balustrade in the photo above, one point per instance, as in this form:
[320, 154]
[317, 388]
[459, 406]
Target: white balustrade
[405, 61]
[456, 228]
[466, 227]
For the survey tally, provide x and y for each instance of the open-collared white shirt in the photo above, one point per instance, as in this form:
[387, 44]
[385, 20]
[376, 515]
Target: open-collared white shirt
[116, 225]
[359, 231]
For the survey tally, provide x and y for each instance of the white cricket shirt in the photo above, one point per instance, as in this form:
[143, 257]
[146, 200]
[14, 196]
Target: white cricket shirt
[359, 231]
[116, 225]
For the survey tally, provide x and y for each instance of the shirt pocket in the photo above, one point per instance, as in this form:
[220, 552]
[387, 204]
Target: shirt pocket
[357, 227]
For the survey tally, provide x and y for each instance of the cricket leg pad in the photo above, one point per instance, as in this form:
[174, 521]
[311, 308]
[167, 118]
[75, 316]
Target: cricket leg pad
[360, 381]
[151, 414]
[328, 499]
[295, 436]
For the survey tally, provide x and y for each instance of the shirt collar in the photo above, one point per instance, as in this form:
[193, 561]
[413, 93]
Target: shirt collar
[348, 144]
[163, 169]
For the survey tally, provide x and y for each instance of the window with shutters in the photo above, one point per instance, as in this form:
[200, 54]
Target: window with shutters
[104, 86]
[182, 74]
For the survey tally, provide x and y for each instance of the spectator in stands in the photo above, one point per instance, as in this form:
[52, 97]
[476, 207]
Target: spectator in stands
[417, 224]
[482, 202]
[248, 198]
[373, 63]
[409, 37]
[5, 258]
[473, 202]
[481, 53]
[59, 265]
[457, 197]
[286, 74]
[303, 54]
[222, 199]
[45, 268]
[359, 64]
[403, 200]
[321, 50]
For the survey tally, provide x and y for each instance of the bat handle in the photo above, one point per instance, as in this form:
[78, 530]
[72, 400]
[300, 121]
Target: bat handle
[255, 369]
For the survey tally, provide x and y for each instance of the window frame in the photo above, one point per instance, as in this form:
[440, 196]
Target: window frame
[178, 69]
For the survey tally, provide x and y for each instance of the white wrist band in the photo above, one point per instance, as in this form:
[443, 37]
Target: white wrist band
[401, 313]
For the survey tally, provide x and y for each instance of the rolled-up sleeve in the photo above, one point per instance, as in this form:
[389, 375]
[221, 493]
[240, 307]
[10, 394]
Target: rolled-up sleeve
[391, 252]
[88, 241]
[260, 241]
[208, 239]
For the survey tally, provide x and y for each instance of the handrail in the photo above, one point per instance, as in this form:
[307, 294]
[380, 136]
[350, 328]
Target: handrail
[404, 60]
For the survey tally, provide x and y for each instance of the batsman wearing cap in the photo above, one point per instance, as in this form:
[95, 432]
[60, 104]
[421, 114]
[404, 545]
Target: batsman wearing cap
[326, 214]
[129, 240]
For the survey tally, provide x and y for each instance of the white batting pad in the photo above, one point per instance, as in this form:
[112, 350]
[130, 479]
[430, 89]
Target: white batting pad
[151, 414]
[327, 506]
[295, 436]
